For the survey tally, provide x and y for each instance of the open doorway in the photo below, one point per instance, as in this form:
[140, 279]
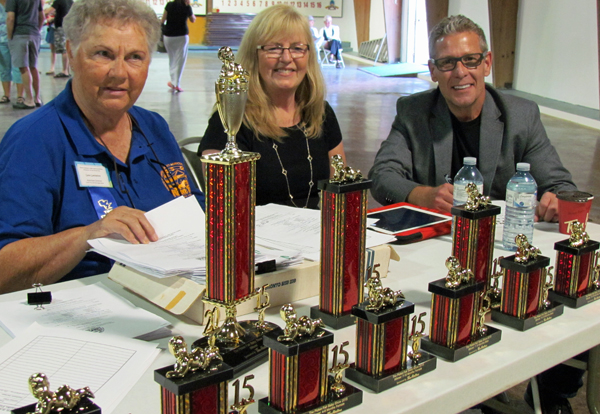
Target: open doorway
[415, 47]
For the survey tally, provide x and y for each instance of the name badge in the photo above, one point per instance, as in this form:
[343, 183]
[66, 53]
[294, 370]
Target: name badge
[91, 174]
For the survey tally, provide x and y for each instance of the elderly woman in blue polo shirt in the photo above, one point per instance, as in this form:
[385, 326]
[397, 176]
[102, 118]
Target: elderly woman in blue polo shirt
[89, 163]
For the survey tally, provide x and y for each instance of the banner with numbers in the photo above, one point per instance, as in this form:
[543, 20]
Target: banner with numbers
[198, 6]
[316, 8]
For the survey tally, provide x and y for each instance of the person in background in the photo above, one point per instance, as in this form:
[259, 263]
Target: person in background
[60, 9]
[316, 35]
[88, 163]
[8, 73]
[434, 130]
[49, 23]
[24, 20]
[286, 118]
[176, 38]
[332, 40]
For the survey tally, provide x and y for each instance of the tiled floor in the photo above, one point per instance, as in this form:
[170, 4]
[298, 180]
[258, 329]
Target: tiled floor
[365, 107]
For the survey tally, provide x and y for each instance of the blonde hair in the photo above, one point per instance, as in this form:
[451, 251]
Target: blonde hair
[273, 22]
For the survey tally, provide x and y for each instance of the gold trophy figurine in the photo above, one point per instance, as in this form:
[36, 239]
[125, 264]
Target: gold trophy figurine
[232, 92]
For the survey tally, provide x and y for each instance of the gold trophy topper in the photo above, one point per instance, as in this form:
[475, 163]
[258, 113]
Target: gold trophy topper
[378, 296]
[343, 174]
[456, 274]
[65, 397]
[525, 251]
[232, 92]
[579, 237]
[198, 358]
[475, 200]
[297, 327]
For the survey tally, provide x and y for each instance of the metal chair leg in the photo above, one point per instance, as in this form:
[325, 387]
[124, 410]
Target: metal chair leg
[593, 380]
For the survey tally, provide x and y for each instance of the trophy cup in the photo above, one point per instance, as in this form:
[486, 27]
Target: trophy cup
[474, 228]
[382, 336]
[65, 399]
[526, 282]
[343, 232]
[298, 369]
[577, 269]
[230, 205]
[197, 382]
[459, 305]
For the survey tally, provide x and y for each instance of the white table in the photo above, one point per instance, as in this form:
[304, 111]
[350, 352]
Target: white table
[451, 387]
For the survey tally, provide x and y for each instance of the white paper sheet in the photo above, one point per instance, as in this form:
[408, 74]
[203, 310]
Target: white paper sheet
[180, 249]
[109, 365]
[89, 308]
[290, 228]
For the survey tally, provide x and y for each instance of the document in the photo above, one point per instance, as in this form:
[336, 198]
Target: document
[90, 308]
[180, 249]
[290, 228]
[109, 365]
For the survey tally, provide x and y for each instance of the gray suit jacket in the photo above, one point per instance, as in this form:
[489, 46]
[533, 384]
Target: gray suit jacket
[418, 150]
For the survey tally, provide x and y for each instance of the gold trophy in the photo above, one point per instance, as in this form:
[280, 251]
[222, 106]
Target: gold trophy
[230, 204]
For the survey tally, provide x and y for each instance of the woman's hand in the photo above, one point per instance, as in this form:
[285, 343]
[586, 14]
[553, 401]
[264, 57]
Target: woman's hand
[127, 222]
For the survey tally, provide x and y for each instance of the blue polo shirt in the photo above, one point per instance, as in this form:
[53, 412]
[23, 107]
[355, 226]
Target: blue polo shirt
[40, 190]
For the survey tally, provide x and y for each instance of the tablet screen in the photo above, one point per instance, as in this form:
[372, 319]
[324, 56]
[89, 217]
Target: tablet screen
[404, 218]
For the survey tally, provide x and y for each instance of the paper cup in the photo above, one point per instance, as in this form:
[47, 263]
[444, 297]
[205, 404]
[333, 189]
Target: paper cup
[573, 205]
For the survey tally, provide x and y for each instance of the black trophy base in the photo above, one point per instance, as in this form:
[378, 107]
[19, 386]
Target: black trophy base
[556, 309]
[250, 351]
[492, 336]
[574, 302]
[333, 403]
[334, 322]
[85, 406]
[193, 381]
[426, 364]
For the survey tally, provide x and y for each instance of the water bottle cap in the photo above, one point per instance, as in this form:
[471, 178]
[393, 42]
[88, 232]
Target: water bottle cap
[523, 166]
[469, 161]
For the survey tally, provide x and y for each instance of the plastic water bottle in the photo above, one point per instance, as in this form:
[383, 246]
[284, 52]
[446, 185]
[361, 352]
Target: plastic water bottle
[521, 201]
[467, 174]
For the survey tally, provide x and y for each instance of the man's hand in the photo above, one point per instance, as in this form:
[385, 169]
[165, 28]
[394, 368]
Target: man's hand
[127, 222]
[439, 198]
[547, 209]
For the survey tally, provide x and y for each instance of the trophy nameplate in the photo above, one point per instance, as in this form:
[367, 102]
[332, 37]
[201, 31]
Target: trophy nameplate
[577, 269]
[526, 287]
[459, 305]
[473, 233]
[343, 233]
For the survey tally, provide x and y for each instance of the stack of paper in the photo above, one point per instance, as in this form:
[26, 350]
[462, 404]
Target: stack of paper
[180, 249]
[283, 227]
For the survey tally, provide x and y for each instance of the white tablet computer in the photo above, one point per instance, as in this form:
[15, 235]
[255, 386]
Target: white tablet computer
[404, 218]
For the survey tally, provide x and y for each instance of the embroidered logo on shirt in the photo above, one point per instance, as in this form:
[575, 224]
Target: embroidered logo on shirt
[176, 179]
[106, 205]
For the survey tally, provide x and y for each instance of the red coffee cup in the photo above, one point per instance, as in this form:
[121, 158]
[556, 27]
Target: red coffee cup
[573, 205]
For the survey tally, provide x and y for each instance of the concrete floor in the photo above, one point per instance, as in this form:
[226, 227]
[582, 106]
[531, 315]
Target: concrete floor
[365, 107]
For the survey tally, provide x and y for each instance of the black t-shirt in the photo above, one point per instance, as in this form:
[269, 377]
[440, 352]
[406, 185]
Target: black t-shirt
[271, 186]
[465, 142]
[177, 15]
[62, 7]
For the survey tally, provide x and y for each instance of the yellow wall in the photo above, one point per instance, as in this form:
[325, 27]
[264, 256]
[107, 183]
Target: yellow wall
[197, 30]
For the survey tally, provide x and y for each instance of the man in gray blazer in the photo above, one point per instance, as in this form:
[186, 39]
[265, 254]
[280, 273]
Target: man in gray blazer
[434, 130]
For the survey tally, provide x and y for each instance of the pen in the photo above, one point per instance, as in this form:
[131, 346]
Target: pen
[448, 178]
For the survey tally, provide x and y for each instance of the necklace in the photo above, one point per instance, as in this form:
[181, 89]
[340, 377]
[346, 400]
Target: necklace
[302, 128]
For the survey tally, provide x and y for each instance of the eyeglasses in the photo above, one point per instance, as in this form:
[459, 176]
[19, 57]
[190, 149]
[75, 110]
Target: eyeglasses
[470, 61]
[297, 50]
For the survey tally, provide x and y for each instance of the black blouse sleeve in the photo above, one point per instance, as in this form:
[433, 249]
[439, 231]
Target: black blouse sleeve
[331, 128]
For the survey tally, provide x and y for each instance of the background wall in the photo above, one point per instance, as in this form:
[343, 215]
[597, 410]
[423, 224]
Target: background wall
[556, 51]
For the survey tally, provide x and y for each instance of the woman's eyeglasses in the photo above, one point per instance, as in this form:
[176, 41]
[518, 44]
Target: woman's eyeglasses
[470, 61]
[297, 50]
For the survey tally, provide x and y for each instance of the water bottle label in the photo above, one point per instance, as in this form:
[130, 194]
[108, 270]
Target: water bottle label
[460, 193]
[520, 200]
